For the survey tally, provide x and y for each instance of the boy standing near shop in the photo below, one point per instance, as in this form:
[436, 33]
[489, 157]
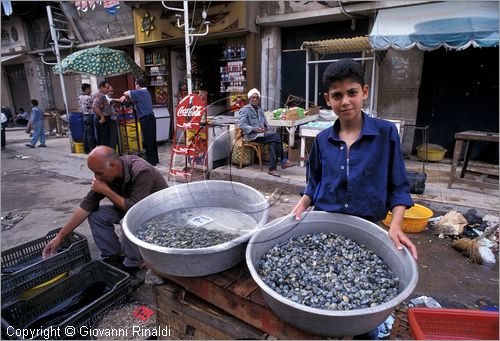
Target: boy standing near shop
[356, 167]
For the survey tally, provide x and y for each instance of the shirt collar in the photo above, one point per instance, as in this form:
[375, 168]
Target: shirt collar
[367, 130]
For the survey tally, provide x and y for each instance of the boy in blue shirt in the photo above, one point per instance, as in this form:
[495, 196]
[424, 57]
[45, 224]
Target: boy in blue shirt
[37, 125]
[356, 167]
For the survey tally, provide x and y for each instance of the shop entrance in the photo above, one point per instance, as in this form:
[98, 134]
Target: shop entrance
[459, 92]
[19, 87]
[218, 76]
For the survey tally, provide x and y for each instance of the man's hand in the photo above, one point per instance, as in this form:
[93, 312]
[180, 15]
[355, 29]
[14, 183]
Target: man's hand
[123, 99]
[51, 248]
[100, 186]
[260, 130]
[102, 119]
[399, 239]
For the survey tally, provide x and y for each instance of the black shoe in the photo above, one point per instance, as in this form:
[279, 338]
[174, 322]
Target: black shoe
[132, 270]
[116, 261]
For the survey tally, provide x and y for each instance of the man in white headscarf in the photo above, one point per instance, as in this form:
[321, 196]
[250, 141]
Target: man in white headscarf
[253, 124]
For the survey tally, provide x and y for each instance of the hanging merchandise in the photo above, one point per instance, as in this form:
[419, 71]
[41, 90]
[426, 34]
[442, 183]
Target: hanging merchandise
[190, 137]
[111, 6]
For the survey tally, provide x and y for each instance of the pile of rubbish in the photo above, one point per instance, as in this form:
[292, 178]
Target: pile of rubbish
[475, 236]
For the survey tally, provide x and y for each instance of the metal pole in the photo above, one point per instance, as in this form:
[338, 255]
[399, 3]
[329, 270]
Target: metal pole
[307, 79]
[267, 77]
[53, 34]
[188, 50]
[316, 70]
[372, 90]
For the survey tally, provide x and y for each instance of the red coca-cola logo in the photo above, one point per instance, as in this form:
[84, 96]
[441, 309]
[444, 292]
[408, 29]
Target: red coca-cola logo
[190, 110]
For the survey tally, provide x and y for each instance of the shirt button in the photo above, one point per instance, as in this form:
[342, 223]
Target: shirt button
[346, 205]
[341, 167]
[341, 147]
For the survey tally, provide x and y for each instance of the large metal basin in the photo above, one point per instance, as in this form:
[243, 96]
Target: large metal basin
[210, 193]
[330, 322]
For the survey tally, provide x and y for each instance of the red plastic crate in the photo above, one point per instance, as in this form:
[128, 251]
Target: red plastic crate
[453, 324]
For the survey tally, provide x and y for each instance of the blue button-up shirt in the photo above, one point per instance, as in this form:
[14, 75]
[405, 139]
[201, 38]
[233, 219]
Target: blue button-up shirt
[36, 114]
[369, 183]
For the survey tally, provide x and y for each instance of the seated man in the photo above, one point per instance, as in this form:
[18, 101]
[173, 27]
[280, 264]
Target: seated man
[22, 118]
[253, 124]
[124, 181]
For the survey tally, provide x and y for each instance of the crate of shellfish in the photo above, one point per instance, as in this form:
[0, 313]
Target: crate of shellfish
[24, 269]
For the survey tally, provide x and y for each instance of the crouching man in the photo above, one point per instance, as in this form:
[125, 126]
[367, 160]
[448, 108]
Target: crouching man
[124, 181]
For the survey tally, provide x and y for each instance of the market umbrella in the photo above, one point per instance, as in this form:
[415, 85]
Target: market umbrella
[98, 61]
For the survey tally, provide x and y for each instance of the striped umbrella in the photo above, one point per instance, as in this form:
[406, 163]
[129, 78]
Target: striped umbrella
[98, 61]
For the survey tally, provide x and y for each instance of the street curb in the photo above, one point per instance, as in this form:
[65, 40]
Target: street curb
[259, 180]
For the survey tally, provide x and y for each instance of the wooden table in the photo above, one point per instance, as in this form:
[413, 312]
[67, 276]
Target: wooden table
[291, 126]
[468, 137]
[236, 293]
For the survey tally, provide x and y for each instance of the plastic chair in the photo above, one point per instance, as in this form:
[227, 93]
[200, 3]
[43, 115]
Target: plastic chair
[257, 146]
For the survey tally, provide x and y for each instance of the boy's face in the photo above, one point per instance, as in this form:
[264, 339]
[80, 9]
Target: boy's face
[346, 98]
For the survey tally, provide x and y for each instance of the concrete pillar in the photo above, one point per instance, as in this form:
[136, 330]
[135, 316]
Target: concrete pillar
[271, 68]
[42, 83]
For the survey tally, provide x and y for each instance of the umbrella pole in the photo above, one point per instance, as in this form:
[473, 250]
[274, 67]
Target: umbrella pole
[53, 35]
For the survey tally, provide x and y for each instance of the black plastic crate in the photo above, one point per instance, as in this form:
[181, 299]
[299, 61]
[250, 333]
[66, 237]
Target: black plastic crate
[417, 182]
[75, 253]
[118, 288]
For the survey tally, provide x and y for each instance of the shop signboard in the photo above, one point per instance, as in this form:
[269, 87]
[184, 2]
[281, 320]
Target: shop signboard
[154, 23]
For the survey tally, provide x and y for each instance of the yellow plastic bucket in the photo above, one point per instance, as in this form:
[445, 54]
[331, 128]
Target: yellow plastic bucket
[79, 147]
[415, 219]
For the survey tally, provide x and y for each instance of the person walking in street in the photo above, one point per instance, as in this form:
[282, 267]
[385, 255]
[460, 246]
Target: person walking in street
[36, 123]
[102, 111]
[85, 101]
[144, 109]
[357, 167]
[124, 181]
[253, 124]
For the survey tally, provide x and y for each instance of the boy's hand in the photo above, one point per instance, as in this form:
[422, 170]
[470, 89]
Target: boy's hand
[301, 206]
[399, 239]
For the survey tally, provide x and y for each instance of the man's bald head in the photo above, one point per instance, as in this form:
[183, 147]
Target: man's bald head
[105, 164]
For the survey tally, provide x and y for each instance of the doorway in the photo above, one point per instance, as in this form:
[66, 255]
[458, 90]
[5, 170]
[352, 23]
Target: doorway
[459, 92]
[18, 87]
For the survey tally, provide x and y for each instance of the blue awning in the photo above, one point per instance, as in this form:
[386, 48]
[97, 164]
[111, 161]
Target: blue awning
[452, 24]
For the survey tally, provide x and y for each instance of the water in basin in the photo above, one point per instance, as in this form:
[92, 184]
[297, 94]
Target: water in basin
[195, 227]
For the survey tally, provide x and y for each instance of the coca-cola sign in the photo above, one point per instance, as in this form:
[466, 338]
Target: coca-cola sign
[191, 110]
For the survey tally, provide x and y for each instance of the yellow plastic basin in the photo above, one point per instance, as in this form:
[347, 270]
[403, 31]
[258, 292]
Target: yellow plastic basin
[415, 219]
[435, 152]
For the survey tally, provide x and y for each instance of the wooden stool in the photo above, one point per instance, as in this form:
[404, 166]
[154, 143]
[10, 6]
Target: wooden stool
[257, 146]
